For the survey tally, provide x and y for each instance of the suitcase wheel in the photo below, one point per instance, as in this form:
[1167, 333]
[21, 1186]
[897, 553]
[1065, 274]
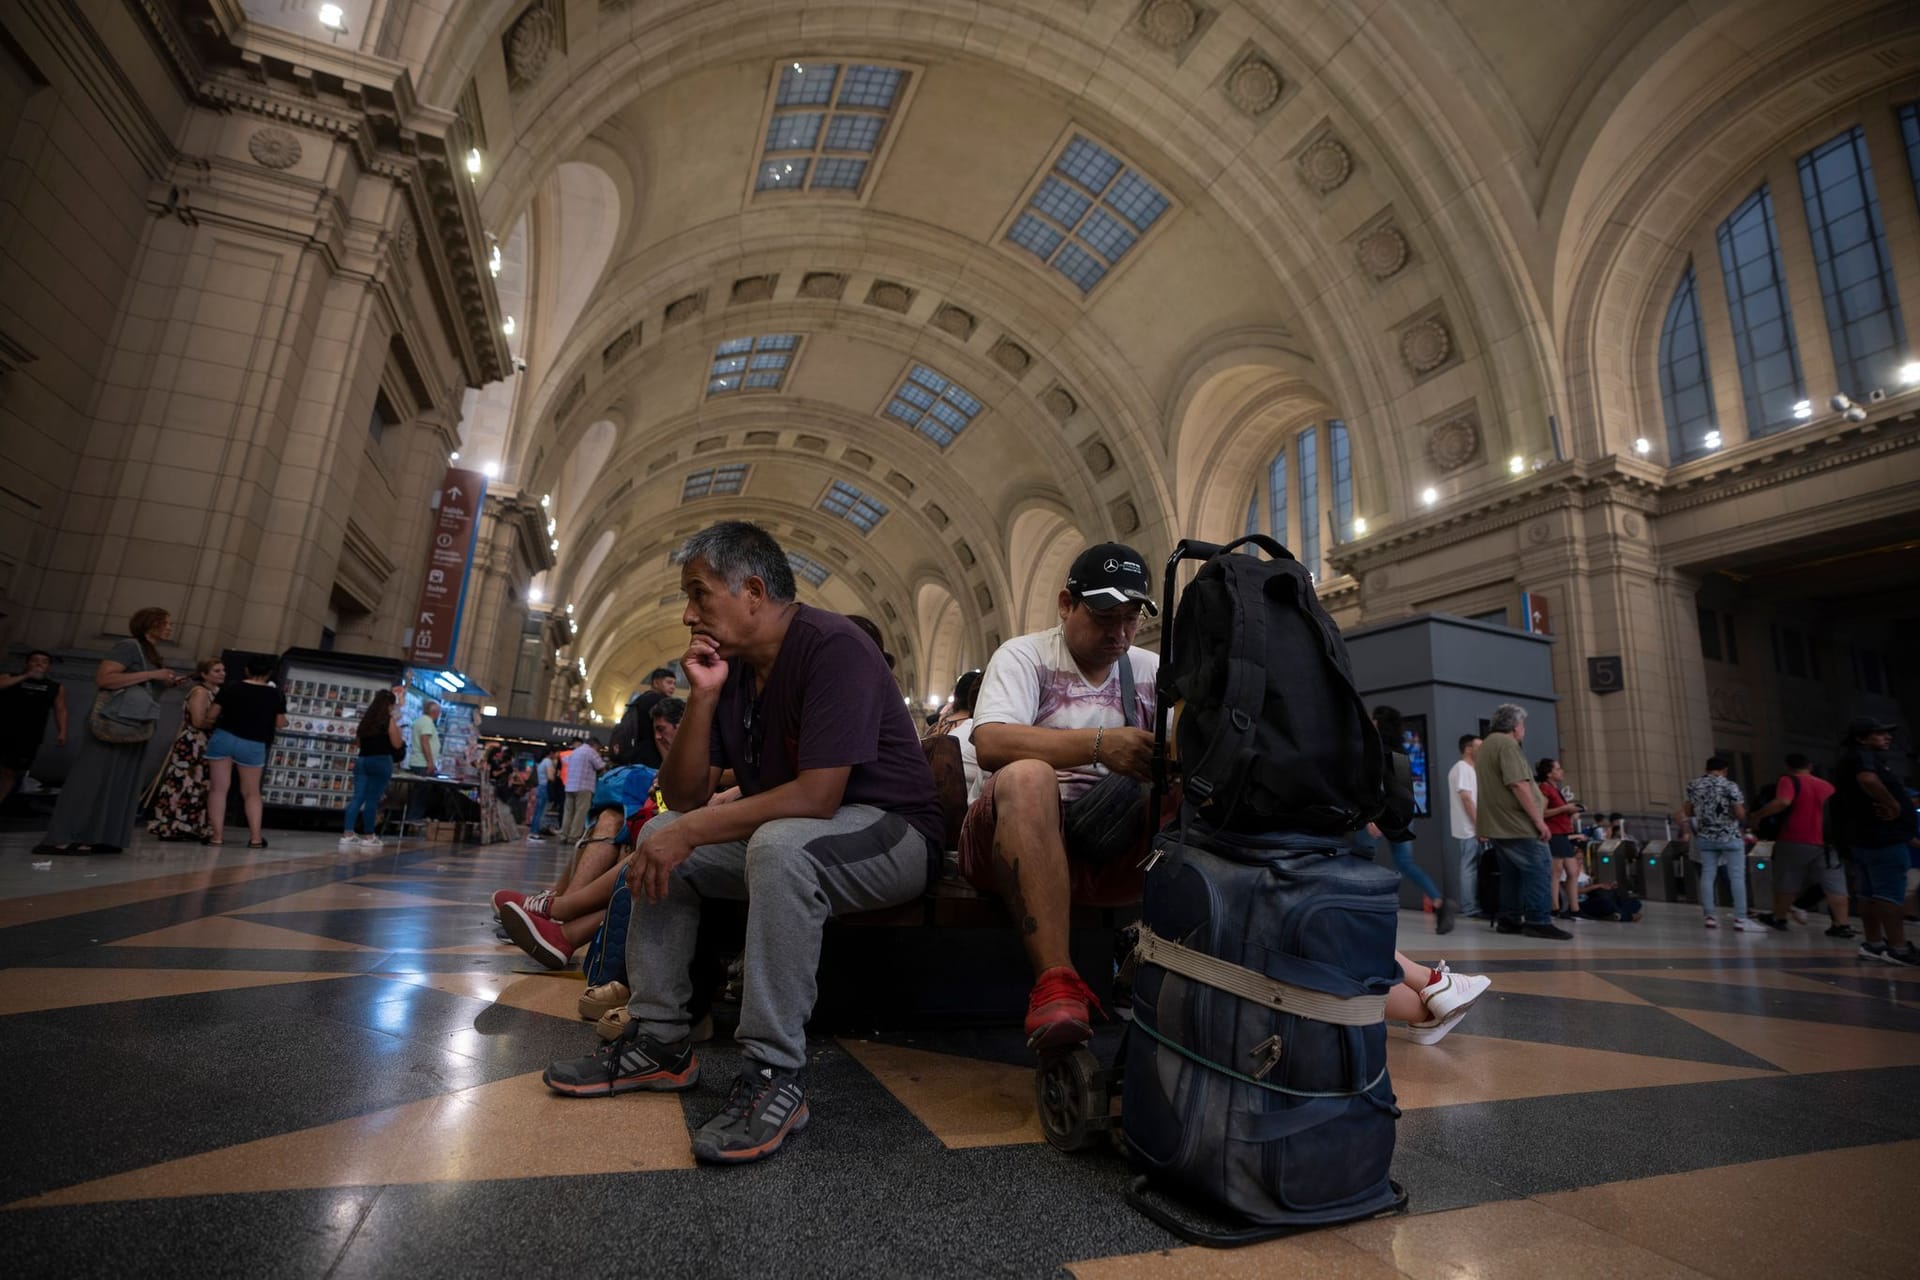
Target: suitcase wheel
[1072, 1095]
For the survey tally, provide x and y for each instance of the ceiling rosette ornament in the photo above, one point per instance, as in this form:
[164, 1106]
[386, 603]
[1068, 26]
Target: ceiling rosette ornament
[1326, 165]
[274, 148]
[1168, 23]
[1425, 346]
[530, 46]
[1381, 252]
[1453, 443]
[1254, 85]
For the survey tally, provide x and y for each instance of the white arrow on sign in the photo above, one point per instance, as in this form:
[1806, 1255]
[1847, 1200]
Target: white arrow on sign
[426, 618]
[455, 491]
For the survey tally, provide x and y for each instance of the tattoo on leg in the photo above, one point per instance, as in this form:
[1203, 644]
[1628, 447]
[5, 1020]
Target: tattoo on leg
[1008, 874]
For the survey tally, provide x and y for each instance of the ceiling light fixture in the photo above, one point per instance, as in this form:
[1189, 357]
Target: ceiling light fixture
[1713, 439]
[1803, 409]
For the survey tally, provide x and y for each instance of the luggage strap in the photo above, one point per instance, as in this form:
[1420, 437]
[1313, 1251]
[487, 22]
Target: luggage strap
[1282, 997]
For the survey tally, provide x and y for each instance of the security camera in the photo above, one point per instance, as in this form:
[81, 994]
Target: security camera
[1840, 403]
[1856, 414]
[519, 365]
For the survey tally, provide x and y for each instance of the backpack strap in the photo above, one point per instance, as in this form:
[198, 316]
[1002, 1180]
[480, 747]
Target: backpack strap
[1258, 988]
[1129, 703]
[1245, 686]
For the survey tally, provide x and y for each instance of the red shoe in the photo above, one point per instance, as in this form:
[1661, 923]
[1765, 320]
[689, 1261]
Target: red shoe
[1058, 1015]
[538, 901]
[540, 936]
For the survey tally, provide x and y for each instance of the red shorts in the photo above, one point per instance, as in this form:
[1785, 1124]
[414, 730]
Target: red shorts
[1117, 883]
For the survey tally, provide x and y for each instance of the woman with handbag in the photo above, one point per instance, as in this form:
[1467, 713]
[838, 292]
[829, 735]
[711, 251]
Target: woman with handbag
[97, 806]
[178, 796]
[250, 710]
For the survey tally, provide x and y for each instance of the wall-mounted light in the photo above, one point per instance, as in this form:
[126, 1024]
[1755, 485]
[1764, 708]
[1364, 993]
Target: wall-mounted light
[1712, 439]
[1517, 465]
[1910, 373]
[569, 610]
[1642, 446]
[555, 544]
[454, 456]
[334, 19]
[1359, 526]
[1847, 408]
[546, 500]
[553, 526]
[473, 161]
[1429, 495]
[536, 595]
[1803, 409]
[493, 261]
[490, 710]
[506, 326]
[491, 471]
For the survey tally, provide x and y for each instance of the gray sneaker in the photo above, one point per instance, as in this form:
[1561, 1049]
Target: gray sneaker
[631, 1063]
[764, 1107]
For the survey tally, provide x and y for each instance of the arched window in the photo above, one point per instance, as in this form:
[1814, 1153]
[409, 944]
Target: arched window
[1762, 320]
[1293, 515]
[1686, 392]
[1910, 134]
[1342, 480]
[1850, 250]
[1308, 548]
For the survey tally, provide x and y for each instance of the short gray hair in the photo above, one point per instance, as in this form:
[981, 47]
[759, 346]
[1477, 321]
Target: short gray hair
[738, 550]
[429, 705]
[1505, 717]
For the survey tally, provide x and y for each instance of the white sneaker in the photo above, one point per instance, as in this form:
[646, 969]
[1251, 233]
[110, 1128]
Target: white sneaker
[1712, 923]
[1435, 1031]
[1799, 916]
[372, 842]
[1745, 925]
[349, 842]
[1454, 992]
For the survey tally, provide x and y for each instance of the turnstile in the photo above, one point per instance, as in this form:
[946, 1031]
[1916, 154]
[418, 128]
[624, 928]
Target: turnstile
[1666, 871]
[1618, 861]
[1760, 877]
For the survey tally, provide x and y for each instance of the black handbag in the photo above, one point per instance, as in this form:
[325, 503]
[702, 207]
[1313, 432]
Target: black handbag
[1104, 823]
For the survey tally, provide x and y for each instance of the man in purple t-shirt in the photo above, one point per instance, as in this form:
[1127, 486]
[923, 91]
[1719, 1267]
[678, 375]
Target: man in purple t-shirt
[837, 813]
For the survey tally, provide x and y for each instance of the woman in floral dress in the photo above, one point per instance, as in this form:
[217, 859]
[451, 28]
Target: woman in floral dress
[178, 797]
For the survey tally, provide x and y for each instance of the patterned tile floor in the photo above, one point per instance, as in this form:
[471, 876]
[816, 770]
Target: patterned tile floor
[301, 1063]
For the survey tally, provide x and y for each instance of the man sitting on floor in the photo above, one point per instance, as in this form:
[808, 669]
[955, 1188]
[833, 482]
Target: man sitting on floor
[837, 813]
[1059, 712]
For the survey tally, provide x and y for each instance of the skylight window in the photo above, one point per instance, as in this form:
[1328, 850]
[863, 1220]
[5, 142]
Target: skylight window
[827, 124]
[809, 570]
[712, 482]
[935, 406]
[856, 508]
[752, 364]
[1086, 213]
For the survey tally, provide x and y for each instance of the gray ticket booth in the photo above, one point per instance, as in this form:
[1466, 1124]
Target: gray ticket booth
[1446, 675]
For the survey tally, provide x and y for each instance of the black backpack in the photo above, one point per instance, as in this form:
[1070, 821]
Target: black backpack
[1272, 734]
[626, 736]
[1768, 828]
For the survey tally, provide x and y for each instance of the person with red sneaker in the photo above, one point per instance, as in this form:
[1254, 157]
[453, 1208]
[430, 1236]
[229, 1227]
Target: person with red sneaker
[1061, 731]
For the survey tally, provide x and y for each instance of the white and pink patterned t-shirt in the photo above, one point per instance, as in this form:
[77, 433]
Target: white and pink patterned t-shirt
[1033, 680]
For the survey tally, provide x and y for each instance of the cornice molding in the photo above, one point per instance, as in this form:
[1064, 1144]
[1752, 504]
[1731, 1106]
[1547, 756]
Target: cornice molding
[225, 62]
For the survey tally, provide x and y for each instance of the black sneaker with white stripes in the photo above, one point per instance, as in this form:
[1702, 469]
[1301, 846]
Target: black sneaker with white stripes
[630, 1064]
[765, 1106]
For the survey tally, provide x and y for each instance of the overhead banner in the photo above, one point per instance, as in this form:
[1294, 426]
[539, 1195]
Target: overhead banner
[456, 523]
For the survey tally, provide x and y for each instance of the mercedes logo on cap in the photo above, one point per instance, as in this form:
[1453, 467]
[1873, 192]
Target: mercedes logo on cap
[1111, 566]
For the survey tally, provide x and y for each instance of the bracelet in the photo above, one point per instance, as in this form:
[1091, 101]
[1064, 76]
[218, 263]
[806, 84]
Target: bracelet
[1096, 743]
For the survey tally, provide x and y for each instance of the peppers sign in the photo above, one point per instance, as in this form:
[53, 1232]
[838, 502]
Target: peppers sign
[436, 623]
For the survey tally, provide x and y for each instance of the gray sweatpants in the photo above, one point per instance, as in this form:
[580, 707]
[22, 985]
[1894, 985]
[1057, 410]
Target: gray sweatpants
[793, 874]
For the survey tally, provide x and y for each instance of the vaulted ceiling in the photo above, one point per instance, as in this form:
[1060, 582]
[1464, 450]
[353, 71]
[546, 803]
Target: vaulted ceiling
[1367, 215]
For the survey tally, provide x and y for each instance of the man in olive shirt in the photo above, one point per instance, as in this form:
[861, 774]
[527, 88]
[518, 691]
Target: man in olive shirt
[1510, 814]
[423, 757]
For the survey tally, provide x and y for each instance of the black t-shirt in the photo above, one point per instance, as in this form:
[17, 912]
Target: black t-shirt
[248, 710]
[645, 750]
[24, 708]
[1858, 824]
[830, 702]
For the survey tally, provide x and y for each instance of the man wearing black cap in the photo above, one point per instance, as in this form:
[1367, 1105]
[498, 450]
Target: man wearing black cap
[1875, 822]
[1059, 713]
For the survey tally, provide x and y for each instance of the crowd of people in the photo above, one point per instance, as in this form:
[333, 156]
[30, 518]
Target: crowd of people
[792, 777]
